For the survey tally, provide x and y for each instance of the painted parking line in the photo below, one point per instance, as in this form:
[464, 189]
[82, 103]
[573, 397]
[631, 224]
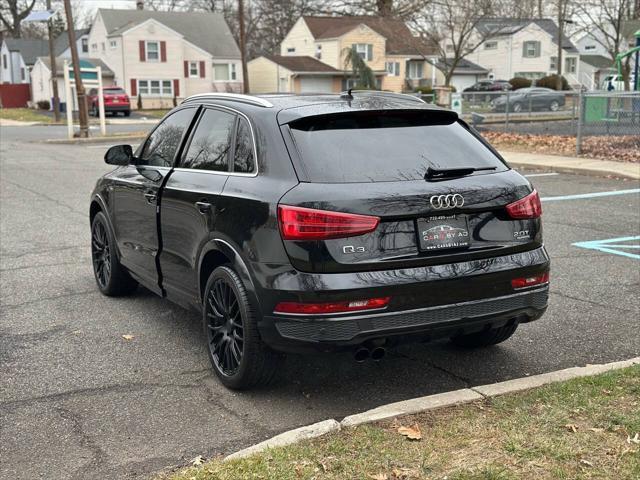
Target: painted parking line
[550, 174]
[590, 195]
[614, 246]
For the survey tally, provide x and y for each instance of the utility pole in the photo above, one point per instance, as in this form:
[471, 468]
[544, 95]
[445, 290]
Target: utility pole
[559, 40]
[82, 99]
[243, 47]
[54, 72]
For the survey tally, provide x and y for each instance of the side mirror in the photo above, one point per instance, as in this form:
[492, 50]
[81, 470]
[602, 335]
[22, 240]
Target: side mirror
[119, 155]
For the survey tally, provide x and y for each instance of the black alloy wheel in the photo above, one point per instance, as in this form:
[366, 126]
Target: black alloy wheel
[225, 327]
[101, 254]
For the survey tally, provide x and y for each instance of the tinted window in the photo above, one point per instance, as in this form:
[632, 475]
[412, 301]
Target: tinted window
[243, 158]
[162, 144]
[386, 146]
[210, 145]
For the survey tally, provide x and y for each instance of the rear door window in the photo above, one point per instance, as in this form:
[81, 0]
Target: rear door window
[376, 146]
[211, 143]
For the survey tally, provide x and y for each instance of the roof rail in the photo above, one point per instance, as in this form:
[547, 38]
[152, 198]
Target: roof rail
[238, 97]
[405, 96]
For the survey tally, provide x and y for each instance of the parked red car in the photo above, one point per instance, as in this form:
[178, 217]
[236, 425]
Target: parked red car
[115, 100]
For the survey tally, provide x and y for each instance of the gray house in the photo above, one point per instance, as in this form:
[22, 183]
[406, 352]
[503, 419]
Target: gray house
[17, 56]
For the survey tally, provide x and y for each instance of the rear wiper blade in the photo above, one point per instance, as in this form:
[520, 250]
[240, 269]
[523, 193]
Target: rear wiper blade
[439, 174]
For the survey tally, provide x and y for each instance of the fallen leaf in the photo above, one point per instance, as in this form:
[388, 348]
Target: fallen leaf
[597, 430]
[634, 439]
[128, 337]
[571, 427]
[412, 433]
[379, 476]
[196, 462]
[586, 462]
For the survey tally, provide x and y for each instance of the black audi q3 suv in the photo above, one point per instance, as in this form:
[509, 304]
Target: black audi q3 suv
[321, 223]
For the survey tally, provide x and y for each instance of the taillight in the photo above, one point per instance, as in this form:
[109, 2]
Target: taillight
[525, 282]
[527, 207]
[299, 308]
[298, 223]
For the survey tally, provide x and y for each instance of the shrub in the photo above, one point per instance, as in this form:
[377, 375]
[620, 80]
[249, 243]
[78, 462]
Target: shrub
[551, 82]
[139, 102]
[43, 105]
[520, 82]
[424, 90]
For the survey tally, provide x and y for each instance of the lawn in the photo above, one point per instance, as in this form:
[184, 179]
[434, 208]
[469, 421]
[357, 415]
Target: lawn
[153, 113]
[586, 428]
[24, 115]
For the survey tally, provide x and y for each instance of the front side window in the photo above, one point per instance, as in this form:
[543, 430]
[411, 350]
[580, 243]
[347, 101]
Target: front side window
[193, 69]
[211, 142]
[356, 147]
[153, 50]
[415, 70]
[243, 157]
[161, 146]
[365, 50]
[531, 49]
[157, 88]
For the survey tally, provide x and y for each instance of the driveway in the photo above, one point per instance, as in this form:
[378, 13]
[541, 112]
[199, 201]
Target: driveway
[79, 401]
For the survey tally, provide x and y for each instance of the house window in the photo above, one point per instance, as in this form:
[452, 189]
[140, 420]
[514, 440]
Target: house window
[153, 51]
[223, 72]
[94, 47]
[589, 47]
[529, 75]
[85, 45]
[102, 46]
[393, 69]
[492, 45]
[318, 52]
[4, 61]
[553, 64]
[291, 50]
[415, 70]
[112, 44]
[570, 64]
[531, 49]
[365, 50]
[161, 88]
[194, 71]
[22, 74]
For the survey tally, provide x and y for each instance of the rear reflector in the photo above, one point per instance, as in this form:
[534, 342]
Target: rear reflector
[297, 223]
[333, 307]
[527, 207]
[524, 282]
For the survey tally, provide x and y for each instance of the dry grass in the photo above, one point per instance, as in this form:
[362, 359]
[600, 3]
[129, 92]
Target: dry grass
[581, 429]
[24, 115]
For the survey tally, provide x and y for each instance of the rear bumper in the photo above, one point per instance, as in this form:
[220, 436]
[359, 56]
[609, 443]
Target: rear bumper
[117, 108]
[427, 303]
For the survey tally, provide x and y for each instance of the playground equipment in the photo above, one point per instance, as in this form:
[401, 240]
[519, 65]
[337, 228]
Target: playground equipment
[634, 51]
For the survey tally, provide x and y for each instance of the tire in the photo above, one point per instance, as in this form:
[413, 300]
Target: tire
[554, 106]
[94, 110]
[516, 107]
[127, 113]
[238, 355]
[111, 277]
[485, 338]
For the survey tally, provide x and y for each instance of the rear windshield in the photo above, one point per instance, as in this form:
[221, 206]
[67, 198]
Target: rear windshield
[115, 91]
[386, 146]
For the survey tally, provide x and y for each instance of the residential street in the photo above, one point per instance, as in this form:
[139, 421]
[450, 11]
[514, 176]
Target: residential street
[78, 401]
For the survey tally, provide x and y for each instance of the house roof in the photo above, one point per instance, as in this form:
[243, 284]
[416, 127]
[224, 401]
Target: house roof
[464, 67]
[509, 26]
[84, 63]
[61, 42]
[30, 49]
[400, 40]
[206, 30]
[598, 61]
[299, 63]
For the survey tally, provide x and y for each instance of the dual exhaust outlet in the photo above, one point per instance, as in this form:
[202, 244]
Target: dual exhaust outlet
[363, 353]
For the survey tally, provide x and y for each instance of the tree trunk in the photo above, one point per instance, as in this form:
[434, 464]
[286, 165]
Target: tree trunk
[54, 71]
[82, 99]
[559, 40]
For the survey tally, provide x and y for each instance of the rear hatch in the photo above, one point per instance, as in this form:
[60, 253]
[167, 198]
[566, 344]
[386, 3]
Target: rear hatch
[392, 189]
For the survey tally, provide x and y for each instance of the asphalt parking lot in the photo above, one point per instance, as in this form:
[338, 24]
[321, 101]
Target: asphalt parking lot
[78, 401]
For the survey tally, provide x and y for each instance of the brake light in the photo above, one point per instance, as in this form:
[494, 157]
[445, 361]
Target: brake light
[527, 207]
[332, 307]
[297, 223]
[525, 282]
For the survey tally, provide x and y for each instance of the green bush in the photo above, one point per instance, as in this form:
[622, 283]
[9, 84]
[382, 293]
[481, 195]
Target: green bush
[551, 82]
[43, 105]
[520, 82]
[424, 90]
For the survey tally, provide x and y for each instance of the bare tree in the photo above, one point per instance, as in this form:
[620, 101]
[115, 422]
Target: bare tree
[450, 25]
[383, 8]
[12, 12]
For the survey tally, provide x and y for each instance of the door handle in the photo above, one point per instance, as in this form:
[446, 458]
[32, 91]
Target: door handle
[151, 197]
[203, 207]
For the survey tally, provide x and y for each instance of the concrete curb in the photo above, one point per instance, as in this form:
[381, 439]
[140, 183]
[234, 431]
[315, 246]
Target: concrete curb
[589, 171]
[430, 402]
[288, 438]
[90, 140]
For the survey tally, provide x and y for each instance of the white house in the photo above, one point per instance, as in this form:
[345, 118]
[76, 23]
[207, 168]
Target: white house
[162, 55]
[592, 43]
[17, 56]
[61, 44]
[524, 48]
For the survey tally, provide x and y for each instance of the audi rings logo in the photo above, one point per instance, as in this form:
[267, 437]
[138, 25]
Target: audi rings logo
[440, 202]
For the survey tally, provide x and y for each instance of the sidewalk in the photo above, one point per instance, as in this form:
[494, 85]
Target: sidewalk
[585, 166]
